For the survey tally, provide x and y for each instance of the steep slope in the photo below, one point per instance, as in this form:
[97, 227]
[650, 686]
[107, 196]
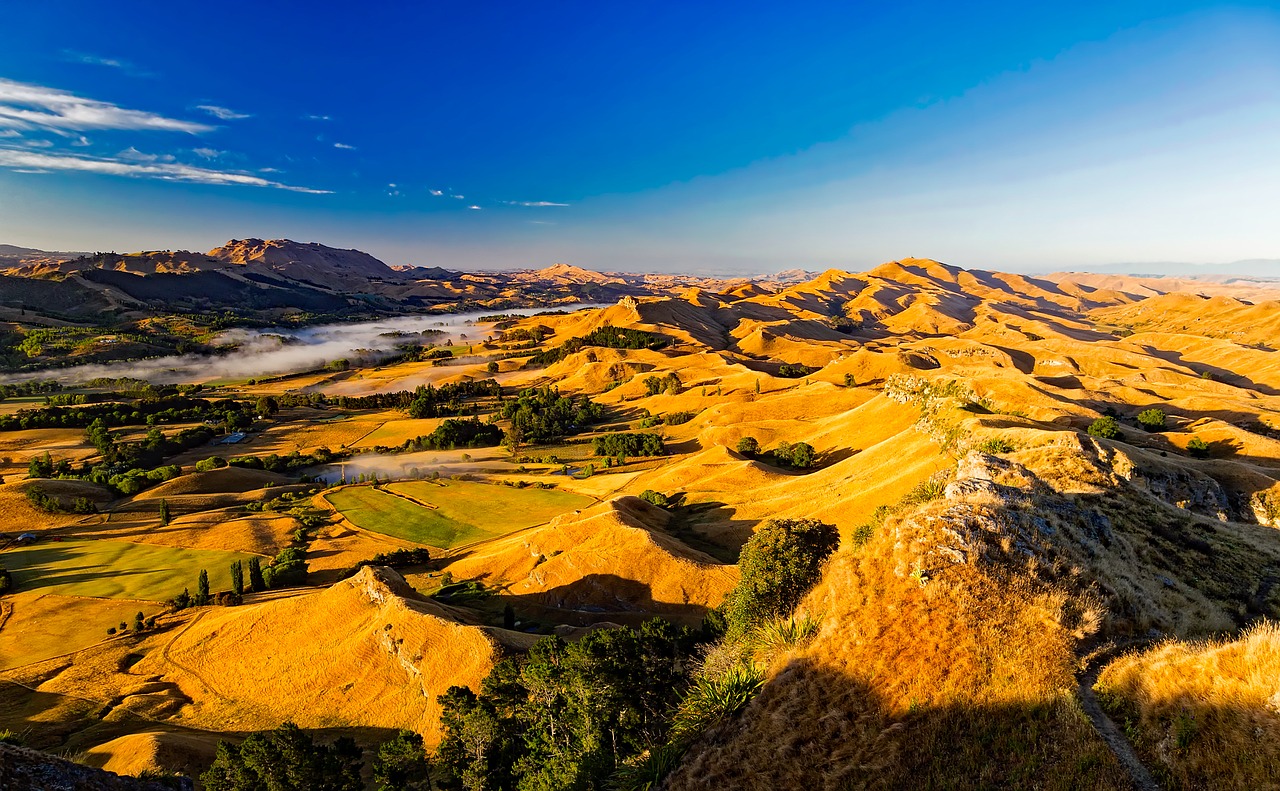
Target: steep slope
[368, 651]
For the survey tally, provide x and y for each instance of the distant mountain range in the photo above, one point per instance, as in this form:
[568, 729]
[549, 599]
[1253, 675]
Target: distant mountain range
[1253, 268]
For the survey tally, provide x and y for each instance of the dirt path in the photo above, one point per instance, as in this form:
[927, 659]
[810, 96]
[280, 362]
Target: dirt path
[1104, 725]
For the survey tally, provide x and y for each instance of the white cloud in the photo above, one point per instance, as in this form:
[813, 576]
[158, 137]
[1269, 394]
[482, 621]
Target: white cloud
[207, 153]
[270, 170]
[38, 144]
[392, 185]
[344, 146]
[134, 155]
[533, 203]
[9, 133]
[436, 193]
[318, 117]
[81, 141]
[222, 113]
[98, 60]
[142, 166]
[477, 208]
[25, 106]
[95, 60]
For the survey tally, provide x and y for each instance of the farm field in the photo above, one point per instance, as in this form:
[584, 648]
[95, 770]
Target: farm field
[464, 513]
[44, 625]
[397, 432]
[117, 569]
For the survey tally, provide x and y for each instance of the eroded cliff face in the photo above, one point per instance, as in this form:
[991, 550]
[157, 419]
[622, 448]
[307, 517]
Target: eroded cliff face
[29, 770]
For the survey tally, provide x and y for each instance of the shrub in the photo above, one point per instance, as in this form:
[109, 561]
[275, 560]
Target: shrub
[1198, 448]
[655, 498]
[996, 445]
[1105, 427]
[748, 446]
[1151, 419]
[778, 565]
[211, 463]
[288, 568]
[794, 370]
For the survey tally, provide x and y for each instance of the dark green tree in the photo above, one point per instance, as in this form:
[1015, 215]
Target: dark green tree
[285, 759]
[402, 764]
[138, 623]
[1105, 427]
[164, 511]
[256, 582]
[1151, 419]
[778, 565]
[202, 589]
[237, 577]
[748, 446]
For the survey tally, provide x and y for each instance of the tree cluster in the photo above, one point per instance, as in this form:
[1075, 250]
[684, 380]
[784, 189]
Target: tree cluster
[541, 415]
[608, 337]
[455, 433]
[568, 714]
[628, 444]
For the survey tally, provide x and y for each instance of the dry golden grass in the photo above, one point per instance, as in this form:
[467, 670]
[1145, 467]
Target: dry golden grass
[1204, 714]
[965, 681]
[18, 515]
[366, 652]
[189, 752]
[397, 432]
[44, 625]
[613, 558]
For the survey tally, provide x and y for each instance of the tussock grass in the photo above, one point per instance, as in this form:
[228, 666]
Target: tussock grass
[1203, 714]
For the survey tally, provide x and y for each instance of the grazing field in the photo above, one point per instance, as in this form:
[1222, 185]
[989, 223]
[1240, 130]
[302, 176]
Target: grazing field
[463, 512]
[397, 432]
[47, 625]
[116, 569]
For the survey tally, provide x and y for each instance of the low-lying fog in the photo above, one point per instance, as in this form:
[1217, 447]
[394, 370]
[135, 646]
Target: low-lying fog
[276, 351]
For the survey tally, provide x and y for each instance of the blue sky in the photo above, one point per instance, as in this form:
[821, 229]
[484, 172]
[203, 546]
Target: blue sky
[696, 137]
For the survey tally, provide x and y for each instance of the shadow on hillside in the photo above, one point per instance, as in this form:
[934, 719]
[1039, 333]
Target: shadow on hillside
[1224, 375]
[711, 527]
[811, 727]
[81, 726]
[596, 599]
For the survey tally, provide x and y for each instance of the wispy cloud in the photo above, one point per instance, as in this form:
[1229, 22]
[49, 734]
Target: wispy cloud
[24, 106]
[318, 117]
[533, 203]
[38, 143]
[473, 206]
[436, 193]
[132, 162]
[344, 146]
[98, 60]
[222, 113]
[207, 153]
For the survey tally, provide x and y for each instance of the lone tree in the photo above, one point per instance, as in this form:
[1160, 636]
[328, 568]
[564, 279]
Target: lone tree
[138, 623]
[1105, 427]
[492, 367]
[237, 578]
[1151, 419]
[1198, 448]
[257, 583]
[748, 446]
[164, 511]
[267, 406]
[779, 564]
[202, 589]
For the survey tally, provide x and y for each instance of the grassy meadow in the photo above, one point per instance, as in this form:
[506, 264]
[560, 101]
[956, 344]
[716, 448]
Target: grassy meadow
[116, 569]
[464, 512]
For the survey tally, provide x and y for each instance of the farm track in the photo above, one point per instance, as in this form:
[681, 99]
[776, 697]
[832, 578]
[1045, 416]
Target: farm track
[1111, 734]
